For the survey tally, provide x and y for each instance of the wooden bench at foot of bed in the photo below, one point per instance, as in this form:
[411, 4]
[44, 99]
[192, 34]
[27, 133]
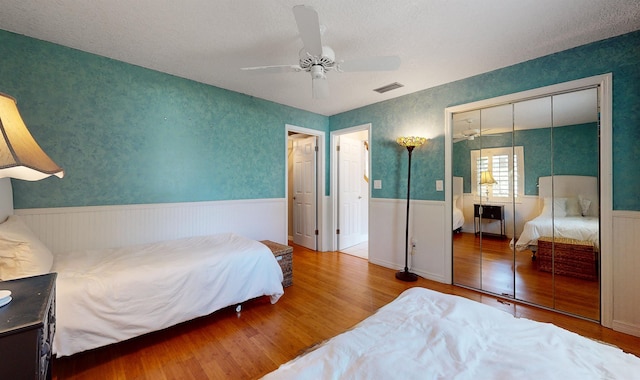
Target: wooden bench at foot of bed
[576, 258]
[284, 256]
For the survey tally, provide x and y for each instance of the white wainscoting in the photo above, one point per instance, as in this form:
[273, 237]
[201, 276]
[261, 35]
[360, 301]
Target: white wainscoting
[626, 272]
[426, 228]
[78, 228]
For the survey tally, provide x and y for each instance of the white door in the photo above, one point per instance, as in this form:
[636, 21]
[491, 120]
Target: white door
[350, 197]
[304, 192]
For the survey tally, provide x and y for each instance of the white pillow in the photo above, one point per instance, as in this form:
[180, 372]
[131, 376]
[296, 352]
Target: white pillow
[573, 207]
[559, 207]
[21, 253]
[584, 205]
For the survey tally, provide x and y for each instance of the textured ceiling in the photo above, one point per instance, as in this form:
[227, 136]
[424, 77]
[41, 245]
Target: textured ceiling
[210, 40]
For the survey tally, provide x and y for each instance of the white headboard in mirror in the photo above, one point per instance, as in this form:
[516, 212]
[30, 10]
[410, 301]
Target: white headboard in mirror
[6, 199]
[571, 186]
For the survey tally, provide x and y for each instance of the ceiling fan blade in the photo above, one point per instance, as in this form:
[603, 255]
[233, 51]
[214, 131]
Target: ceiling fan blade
[274, 69]
[309, 28]
[386, 63]
[320, 88]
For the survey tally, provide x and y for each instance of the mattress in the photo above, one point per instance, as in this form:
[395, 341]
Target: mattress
[107, 296]
[570, 227]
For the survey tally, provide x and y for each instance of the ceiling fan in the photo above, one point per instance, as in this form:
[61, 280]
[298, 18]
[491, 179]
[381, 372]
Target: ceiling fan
[318, 59]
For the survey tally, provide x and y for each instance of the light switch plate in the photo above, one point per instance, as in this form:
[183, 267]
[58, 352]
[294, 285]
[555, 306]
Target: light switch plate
[377, 184]
[439, 185]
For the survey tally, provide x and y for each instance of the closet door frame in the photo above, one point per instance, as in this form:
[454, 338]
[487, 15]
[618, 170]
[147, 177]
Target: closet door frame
[604, 83]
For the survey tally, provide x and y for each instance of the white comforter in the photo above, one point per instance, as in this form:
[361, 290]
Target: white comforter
[111, 295]
[571, 227]
[429, 335]
[458, 218]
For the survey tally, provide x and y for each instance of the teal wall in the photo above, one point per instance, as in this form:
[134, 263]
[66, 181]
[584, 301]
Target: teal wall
[422, 113]
[568, 150]
[128, 135]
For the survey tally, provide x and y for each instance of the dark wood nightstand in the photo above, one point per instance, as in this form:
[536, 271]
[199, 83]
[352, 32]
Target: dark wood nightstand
[493, 212]
[27, 325]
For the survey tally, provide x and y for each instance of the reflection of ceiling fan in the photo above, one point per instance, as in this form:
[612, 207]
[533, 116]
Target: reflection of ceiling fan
[318, 59]
[471, 133]
[468, 134]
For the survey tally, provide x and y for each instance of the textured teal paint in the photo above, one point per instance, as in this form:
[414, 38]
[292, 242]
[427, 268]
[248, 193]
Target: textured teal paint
[575, 150]
[569, 150]
[107, 124]
[128, 135]
[425, 111]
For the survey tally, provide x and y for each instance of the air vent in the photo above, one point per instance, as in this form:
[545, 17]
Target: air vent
[388, 87]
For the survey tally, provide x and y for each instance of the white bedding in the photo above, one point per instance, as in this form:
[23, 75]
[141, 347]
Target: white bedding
[458, 218]
[571, 227]
[107, 296]
[458, 204]
[429, 335]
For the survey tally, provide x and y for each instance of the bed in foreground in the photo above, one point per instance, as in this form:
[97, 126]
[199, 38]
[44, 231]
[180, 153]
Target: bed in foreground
[425, 334]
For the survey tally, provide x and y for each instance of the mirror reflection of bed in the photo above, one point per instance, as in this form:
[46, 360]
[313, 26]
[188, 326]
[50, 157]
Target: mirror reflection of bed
[551, 262]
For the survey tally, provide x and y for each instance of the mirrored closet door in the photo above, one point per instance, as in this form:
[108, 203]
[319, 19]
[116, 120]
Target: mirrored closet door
[526, 201]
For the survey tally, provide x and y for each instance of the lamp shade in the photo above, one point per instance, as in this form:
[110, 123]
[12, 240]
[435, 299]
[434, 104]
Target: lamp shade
[411, 141]
[20, 155]
[486, 178]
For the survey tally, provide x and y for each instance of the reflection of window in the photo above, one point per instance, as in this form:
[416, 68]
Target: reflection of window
[507, 167]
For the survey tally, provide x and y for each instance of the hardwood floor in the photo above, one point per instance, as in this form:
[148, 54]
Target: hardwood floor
[331, 292]
[494, 272]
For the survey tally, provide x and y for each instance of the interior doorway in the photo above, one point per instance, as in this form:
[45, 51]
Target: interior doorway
[350, 176]
[304, 186]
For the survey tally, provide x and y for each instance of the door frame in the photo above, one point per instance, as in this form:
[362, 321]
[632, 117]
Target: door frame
[605, 82]
[320, 182]
[334, 178]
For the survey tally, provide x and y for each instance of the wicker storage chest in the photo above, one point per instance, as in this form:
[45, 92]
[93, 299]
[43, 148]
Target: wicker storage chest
[576, 258]
[284, 256]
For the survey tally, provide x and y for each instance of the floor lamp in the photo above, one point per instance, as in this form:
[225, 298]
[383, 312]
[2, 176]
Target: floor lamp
[410, 143]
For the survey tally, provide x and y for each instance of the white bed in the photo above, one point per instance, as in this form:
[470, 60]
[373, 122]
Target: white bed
[424, 334]
[107, 296]
[458, 205]
[569, 210]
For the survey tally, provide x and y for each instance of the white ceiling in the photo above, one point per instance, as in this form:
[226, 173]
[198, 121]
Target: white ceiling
[210, 40]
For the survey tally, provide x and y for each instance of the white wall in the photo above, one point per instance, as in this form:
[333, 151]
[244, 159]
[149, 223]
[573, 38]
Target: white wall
[426, 228]
[626, 267]
[78, 228]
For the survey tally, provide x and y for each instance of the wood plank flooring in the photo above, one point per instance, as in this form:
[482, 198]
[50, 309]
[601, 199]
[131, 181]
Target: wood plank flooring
[331, 292]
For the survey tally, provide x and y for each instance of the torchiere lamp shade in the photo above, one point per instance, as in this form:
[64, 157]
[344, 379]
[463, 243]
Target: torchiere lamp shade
[20, 155]
[411, 141]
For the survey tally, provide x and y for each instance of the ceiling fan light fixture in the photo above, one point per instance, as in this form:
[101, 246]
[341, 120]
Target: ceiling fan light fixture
[389, 87]
[317, 72]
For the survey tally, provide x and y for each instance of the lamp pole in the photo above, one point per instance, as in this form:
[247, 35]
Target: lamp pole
[406, 275]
